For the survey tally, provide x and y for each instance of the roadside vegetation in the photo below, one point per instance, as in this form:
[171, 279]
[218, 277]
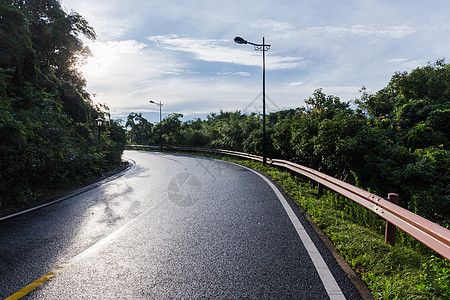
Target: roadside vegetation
[47, 121]
[393, 141]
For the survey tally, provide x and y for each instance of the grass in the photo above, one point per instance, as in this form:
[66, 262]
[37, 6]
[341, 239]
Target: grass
[409, 270]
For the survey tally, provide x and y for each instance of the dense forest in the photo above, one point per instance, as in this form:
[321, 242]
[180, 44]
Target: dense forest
[48, 134]
[395, 140]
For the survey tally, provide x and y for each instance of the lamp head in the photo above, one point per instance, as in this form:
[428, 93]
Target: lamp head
[99, 122]
[240, 40]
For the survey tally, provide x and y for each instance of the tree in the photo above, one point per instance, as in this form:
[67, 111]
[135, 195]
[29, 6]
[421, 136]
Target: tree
[325, 106]
[228, 126]
[251, 128]
[195, 133]
[426, 181]
[338, 143]
[412, 105]
[46, 128]
[55, 37]
[16, 51]
[306, 129]
[282, 136]
[171, 129]
[115, 141]
[413, 112]
[141, 131]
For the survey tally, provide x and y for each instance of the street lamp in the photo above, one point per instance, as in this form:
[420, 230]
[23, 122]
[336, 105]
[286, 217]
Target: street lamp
[160, 128]
[99, 122]
[260, 47]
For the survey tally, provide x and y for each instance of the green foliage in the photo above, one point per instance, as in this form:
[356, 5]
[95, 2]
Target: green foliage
[171, 129]
[16, 51]
[140, 129]
[325, 106]
[427, 182]
[194, 133]
[55, 37]
[46, 117]
[283, 135]
[435, 276]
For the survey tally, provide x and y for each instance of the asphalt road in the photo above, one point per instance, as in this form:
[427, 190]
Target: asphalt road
[172, 227]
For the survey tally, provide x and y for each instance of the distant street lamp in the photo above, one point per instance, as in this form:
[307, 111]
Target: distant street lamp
[260, 47]
[99, 122]
[160, 125]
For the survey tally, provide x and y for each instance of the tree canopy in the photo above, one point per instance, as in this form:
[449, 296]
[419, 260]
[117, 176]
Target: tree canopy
[47, 133]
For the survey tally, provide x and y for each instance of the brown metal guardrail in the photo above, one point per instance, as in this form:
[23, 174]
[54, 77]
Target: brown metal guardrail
[430, 234]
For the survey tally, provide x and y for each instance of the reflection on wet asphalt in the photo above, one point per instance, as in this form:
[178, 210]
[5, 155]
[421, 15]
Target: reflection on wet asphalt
[174, 226]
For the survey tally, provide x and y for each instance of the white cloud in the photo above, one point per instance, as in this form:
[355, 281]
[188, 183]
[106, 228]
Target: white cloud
[217, 50]
[360, 30]
[179, 72]
[243, 74]
[271, 27]
[405, 63]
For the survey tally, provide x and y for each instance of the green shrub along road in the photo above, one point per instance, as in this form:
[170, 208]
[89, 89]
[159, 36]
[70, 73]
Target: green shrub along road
[47, 131]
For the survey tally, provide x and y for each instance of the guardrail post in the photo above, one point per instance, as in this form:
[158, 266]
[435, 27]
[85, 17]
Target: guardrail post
[391, 230]
[319, 186]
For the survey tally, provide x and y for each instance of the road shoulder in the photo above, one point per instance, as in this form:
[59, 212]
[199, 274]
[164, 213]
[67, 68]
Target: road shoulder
[58, 195]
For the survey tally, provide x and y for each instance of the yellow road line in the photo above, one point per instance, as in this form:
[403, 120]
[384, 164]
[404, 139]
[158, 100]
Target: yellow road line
[32, 286]
[37, 283]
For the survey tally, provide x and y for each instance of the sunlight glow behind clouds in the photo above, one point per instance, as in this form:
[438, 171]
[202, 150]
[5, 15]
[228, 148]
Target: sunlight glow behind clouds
[107, 54]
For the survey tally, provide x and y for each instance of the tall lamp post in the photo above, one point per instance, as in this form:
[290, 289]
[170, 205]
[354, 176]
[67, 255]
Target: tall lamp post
[260, 47]
[99, 122]
[160, 125]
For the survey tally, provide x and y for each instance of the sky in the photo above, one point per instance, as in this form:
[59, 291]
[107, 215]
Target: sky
[182, 53]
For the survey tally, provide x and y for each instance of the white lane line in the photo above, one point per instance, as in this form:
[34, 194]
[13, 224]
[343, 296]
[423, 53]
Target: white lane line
[77, 258]
[331, 286]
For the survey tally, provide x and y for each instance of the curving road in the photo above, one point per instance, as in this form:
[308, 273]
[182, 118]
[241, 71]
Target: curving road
[172, 227]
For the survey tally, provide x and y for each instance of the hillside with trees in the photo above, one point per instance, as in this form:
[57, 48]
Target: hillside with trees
[47, 121]
[396, 140]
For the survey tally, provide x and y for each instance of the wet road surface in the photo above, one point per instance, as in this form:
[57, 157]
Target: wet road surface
[173, 227]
